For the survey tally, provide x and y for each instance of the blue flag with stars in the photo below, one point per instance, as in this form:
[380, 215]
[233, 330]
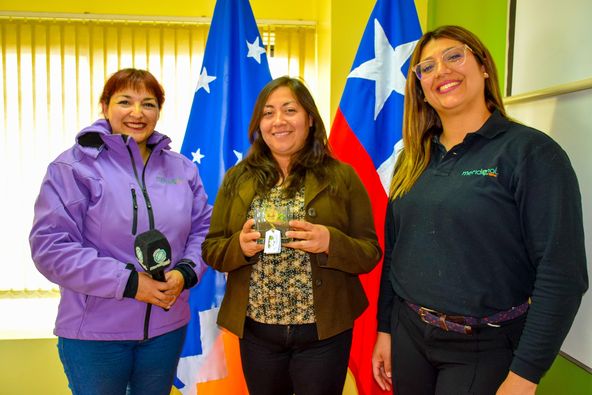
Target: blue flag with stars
[233, 72]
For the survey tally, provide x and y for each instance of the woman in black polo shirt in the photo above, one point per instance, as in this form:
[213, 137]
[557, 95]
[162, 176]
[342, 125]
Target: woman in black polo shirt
[484, 264]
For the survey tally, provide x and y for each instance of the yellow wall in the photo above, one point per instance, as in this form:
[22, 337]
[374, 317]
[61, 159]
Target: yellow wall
[263, 9]
[340, 26]
[32, 367]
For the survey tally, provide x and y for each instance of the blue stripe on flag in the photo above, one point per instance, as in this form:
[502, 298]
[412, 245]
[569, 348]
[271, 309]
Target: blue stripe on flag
[378, 77]
[233, 72]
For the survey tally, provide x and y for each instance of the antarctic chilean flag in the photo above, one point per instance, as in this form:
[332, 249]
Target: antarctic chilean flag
[233, 72]
[366, 133]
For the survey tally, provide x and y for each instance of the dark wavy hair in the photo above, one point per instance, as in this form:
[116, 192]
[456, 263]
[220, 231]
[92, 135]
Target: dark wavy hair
[132, 78]
[260, 164]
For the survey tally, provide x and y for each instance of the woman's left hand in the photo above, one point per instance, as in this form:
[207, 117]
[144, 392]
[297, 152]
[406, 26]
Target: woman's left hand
[308, 237]
[175, 283]
[516, 385]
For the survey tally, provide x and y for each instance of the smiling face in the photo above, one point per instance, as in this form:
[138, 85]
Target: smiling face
[452, 89]
[133, 113]
[284, 125]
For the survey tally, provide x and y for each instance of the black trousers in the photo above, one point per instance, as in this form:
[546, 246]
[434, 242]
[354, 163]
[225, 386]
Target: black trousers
[289, 359]
[428, 360]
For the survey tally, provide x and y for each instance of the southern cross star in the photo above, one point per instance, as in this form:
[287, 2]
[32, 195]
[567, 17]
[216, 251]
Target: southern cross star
[255, 50]
[204, 81]
[197, 156]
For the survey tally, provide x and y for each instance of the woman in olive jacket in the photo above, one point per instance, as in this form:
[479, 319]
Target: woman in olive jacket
[293, 311]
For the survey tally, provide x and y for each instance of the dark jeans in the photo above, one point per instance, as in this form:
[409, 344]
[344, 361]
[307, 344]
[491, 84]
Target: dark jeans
[289, 359]
[135, 367]
[427, 360]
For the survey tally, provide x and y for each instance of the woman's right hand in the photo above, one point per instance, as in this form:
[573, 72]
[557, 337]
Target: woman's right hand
[381, 361]
[248, 239]
[153, 292]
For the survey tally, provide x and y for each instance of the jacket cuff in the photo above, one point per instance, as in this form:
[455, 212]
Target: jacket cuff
[131, 288]
[185, 267]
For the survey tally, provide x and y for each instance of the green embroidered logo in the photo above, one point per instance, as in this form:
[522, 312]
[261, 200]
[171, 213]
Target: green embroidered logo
[492, 172]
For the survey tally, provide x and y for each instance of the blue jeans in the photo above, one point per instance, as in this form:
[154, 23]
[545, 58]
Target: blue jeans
[135, 367]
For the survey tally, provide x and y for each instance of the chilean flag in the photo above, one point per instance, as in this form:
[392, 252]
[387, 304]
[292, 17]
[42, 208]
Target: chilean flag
[366, 133]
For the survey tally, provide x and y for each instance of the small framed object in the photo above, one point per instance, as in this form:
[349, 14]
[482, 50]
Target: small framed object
[272, 218]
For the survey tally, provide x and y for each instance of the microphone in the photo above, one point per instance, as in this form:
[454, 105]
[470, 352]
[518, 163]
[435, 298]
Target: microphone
[153, 252]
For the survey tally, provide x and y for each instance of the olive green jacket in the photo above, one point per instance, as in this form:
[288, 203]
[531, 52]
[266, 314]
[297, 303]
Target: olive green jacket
[338, 295]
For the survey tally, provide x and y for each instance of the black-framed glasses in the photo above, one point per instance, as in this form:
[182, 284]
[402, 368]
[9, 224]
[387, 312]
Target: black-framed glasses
[452, 57]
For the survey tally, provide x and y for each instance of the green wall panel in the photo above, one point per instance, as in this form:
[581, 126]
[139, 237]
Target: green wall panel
[487, 19]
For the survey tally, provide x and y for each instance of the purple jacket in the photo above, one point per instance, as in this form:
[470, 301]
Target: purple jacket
[91, 206]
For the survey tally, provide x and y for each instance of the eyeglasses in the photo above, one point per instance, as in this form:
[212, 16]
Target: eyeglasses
[452, 57]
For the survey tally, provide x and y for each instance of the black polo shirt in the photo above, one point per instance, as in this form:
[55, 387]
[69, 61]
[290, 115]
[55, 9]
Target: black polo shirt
[490, 223]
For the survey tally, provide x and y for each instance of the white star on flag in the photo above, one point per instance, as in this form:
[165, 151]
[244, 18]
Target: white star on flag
[204, 80]
[239, 156]
[197, 156]
[385, 68]
[255, 50]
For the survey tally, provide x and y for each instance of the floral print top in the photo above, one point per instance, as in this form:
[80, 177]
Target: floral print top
[280, 290]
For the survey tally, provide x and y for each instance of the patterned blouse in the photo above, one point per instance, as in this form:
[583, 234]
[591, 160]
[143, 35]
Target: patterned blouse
[280, 291]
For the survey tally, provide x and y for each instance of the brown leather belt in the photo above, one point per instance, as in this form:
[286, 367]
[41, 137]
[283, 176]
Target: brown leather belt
[462, 324]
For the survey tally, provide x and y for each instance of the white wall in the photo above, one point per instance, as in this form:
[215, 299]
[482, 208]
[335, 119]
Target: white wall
[552, 47]
[552, 44]
[568, 119]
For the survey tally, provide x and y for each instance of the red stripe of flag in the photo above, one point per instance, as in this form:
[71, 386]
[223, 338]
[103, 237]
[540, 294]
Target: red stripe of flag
[346, 146]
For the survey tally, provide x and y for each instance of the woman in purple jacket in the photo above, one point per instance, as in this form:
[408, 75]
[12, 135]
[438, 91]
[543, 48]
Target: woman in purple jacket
[118, 327]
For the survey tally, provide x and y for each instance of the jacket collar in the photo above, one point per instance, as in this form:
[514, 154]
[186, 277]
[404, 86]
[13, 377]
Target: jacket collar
[94, 138]
[313, 187]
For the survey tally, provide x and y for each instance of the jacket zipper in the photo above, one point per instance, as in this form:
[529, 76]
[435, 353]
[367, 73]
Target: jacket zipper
[150, 219]
[143, 187]
[147, 198]
[135, 209]
[147, 320]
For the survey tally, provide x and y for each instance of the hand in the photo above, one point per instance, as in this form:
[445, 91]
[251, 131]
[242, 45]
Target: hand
[248, 239]
[153, 292]
[516, 385]
[175, 283]
[309, 237]
[381, 361]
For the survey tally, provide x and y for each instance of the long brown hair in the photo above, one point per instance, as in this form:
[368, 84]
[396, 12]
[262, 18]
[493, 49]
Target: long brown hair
[420, 120]
[260, 163]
